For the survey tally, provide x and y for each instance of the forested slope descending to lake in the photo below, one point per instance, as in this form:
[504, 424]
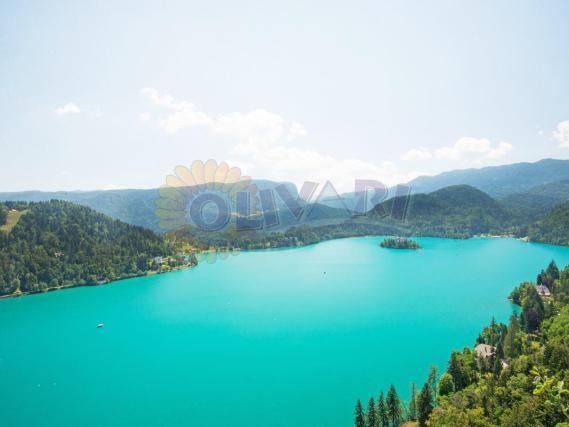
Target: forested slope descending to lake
[516, 376]
[58, 243]
[537, 201]
[553, 227]
[456, 211]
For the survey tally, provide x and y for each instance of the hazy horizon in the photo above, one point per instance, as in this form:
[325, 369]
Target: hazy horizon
[80, 190]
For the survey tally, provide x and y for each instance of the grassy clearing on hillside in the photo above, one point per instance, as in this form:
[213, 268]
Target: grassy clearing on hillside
[12, 220]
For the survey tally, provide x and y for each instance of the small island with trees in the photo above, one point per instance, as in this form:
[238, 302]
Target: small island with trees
[400, 243]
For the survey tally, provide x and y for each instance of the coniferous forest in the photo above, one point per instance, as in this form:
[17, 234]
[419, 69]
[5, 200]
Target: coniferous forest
[55, 244]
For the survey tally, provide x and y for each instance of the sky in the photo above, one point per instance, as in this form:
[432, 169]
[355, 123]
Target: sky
[116, 94]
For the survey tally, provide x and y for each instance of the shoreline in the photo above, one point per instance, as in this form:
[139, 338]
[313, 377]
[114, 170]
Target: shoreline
[103, 283]
[276, 248]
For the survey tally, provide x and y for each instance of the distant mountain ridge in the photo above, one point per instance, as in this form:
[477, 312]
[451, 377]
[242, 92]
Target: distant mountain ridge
[498, 181]
[517, 195]
[135, 207]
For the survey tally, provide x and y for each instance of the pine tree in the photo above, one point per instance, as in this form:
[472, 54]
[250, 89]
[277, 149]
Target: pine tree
[371, 416]
[533, 310]
[393, 406]
[382, 419]
[552, 271]
[432, 381]
[359, 418]
[413, 403]
[424, 404]
[446, 384]
[512, 346]
[455, 370]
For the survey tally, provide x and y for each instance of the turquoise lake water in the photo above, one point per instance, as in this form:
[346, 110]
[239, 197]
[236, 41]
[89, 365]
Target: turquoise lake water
[260, 339]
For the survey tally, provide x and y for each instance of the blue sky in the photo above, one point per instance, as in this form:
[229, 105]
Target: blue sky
[116, 94]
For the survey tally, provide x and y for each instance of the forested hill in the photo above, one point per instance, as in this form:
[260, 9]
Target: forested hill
[58, 243]
[537, 201]
[553, 227]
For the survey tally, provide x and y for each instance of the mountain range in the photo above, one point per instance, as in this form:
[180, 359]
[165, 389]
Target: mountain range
[498, 181]
[499, 199]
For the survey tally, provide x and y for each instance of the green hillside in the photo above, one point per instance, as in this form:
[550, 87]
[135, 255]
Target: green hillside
[538, 200]
[61, 244]
[455, 211]
[553, 227]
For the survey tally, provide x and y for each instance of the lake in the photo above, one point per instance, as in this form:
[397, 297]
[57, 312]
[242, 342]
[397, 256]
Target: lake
[269, 338]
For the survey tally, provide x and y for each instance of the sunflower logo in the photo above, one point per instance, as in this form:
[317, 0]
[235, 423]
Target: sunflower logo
[203, 195]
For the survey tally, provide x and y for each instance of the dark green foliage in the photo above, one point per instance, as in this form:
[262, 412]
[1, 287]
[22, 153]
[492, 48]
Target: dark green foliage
[412, 407]
[381, 414]
[537, 201]
[3, 214]
[61, 244]
[492, 334]
[520, 292]
[359, 417]
[462, 367]
[458, 211]
[513, 338]
[446, 385]
[399, 243]
[552, 272]
[553, 227]
[371, 418]
[393, 405]
[560, 288]
[432, 382]
[533, 310]
[424, 404]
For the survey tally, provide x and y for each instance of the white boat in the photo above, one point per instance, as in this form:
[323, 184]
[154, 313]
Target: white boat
[100, 325]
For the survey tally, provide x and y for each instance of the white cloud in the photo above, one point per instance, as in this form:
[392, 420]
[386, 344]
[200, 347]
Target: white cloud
[258, 126]
[562, 134]
[296, 130]
[473, 150]
[281, 162]
[466, 151]
[421, 153]
[255, 127]
[184, 119]
[144, 117]
[165, 101]
[183, 114]
[263, 146]
[69, 108]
